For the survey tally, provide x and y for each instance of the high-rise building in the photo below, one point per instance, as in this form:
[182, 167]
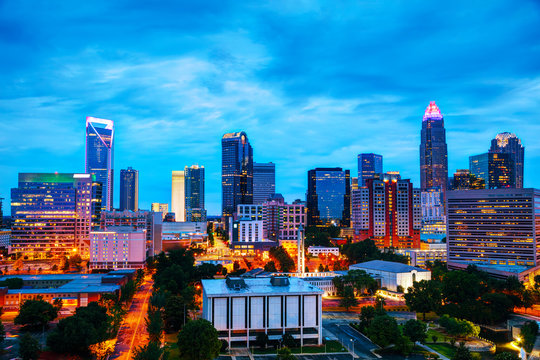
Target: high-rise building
[464, 180]
[236, 172]
[368, 166]
[329, 197]
[1, 213]
[389, 212]
[432, 206]
[160, 207]
[433, 150]
[194, 203]
[501, 171]
[178, 195]
[507, 143]
[100, 156]
[129, 189]
[264, 181]
[494, 227]
[479, 167]
[52, 214]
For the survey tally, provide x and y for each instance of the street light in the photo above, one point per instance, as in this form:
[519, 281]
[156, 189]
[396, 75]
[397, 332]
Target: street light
[352, 347]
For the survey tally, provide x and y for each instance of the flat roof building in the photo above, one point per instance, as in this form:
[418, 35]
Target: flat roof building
[393, 274]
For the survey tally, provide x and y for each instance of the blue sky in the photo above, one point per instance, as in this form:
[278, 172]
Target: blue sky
[312, 84]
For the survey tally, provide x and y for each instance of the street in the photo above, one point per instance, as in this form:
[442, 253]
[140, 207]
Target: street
[336, 327]
[132, 332]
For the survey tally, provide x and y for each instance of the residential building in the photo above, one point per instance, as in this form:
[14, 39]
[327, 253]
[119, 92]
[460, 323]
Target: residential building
[392, 275]
[264, 181]
[433, 150]
[149, 221]
[389, 212]
[329, 197]
[160, 207]
[51, 214]
[479, 167]
[249, 211]
[507, 143]
[100, 156]
[194, 203]
[129, 189]
[432, 206]
[241, 308]
[497, 227]
[236, 172]
[117, 247]
[368, 166]
[178, 195]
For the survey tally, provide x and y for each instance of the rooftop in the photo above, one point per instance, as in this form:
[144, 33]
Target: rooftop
[387, 266]
[259, 286]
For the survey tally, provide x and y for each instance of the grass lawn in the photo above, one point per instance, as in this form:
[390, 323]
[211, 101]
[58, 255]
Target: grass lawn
[444, 349]
[431, 332]
[332, 346]
[170, 341]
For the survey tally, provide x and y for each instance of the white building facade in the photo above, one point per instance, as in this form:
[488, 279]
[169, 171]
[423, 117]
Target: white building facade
[392, 274]
[241, 308]
[117, 248]
[316, 250]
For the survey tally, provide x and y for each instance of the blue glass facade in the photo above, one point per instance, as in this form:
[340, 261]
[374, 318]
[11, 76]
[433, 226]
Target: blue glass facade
[100, 156]
[129, 189]
[264, 181]
[329, 197]
[194, 184]
[368, 166]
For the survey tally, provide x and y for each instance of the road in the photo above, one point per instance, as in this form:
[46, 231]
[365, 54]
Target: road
[133, 332]
[337, 328]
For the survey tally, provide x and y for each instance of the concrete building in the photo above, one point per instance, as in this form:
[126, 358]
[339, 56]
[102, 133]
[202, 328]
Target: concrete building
[182, 234]
[5, 238]
[392, 274]
[117, 247]
[316, 250]
[149, 221]
[419, 257]
[178, 195]
[240, 308]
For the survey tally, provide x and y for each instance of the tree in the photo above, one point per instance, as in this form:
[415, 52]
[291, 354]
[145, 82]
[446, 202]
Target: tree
[415, 330]
[288, 340]
[54, 267]
[198, 340]
[35, 314]
[434, 338]
[367, 314]
[462, 353]
[281, 257]
[270, 267]
[285, 354]
[320, 268]
[348, 300]
[383, 330]
[150, 351]
[29, 348]
[529, 330]
[506, 356]
[261, 340]
[12, 283]
[154, 325]
[423, 297]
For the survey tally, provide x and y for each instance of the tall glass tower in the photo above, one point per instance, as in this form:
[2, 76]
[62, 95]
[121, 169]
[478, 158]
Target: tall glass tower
[236, 172]
[368, 166]
[129, 189]
[194, 177]
[100, 156]
[507, 143]
[329, 197]
[433, 150]
[178, 195]
[264, 182]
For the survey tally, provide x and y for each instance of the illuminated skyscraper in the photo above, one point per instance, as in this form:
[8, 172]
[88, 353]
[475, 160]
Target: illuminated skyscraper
[236, 172]
[195, 210]
[501, 171]
[129, 189]
[368, 166]
[178, 195]
[264, 181]
[433, 150]
[464, 180]
[329, 197]
[507, 143]
[479, 167]
[100, 156]
[51, 214]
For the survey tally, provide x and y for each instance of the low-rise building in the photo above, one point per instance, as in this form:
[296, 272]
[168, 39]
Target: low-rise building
[316, 250]
[240, 308]
[183, 234]
[392, 274]
[117, 247]
[419, 257]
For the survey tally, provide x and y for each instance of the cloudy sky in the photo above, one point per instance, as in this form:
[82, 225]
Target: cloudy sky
[312, 84]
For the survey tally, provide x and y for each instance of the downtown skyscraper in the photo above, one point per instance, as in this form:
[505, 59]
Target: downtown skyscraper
[236, 172]
[368, 166]
[329, 197]
[507, 143]
[178, 195]
[264, 181]
[433, 151]
[194, 203]
[129, 189]
[100, 156]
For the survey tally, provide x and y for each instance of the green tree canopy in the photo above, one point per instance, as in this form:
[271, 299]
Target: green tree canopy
[36, 314]
[29, 347]
[384, 330]
[198, 340]
[349, 299]
[415, 330]
[423, 297]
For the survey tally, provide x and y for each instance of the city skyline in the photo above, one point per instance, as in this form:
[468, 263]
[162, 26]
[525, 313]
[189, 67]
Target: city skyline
[231, 79]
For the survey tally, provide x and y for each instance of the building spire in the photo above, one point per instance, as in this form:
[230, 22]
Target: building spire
[432, 112]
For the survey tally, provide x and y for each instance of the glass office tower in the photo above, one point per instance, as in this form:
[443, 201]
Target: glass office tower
[264, 181]
[479, 167]
[507, 143]
[236, 172]
[433, 150]
[368, 166]
[329, 197]
[100, 156]
[194, 178]
[129, 189]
